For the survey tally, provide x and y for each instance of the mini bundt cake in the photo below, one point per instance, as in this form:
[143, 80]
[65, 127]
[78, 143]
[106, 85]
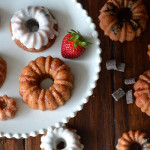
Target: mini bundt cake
[61, 138]
[34, 29]
[3, 70]
[35, 72]
[148, 52]
[123, 20]
[7, 108]
[134, 140]
[142, 92]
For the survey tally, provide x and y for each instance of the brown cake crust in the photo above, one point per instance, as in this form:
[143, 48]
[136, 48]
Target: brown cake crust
[7, 108]
[35, 72]
[49, 44]
[133, 140]
[148, 52]
[3, 70]
[125, 29]
[142, 92]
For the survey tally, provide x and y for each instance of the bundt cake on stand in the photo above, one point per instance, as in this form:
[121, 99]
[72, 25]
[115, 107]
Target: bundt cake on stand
[3, 70]
[34, 29]
[35, 72]
[7, 108]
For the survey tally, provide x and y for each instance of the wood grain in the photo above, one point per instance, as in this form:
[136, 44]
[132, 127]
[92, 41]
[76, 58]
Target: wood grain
[103, 121]
[12, 144]
[33, 143]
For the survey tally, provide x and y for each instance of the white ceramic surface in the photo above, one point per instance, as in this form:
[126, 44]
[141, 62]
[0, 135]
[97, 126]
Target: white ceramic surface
[70, 15]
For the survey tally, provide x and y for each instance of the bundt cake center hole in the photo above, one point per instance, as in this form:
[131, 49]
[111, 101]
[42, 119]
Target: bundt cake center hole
[135, 146]
[124, 14]
[3, 105]
[32, 25]
[46, 83]
[60, 144]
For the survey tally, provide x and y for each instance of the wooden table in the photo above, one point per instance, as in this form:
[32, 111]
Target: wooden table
[103, 121]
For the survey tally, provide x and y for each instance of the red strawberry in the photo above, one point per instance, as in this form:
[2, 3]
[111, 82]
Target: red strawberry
[73, 45]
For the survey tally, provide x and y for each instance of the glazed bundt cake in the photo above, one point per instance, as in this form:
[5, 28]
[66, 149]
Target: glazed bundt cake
[7, 108]
[35, 72]
[134, 140]
[34, 29]
[142, 92]
[3, 70]
[61, 139]
[123, 20]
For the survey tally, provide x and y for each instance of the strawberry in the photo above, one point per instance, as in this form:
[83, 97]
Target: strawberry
[73, 45]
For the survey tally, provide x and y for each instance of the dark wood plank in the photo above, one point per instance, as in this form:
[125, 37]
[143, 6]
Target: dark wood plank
[33, 143]
[2, 144]
[11, 144]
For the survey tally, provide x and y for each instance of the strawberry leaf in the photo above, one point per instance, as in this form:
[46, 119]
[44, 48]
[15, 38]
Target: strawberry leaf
[71, 39]
[89, 43]
[76, 43]
[78, 39]
[73, 31]
[85, 44]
